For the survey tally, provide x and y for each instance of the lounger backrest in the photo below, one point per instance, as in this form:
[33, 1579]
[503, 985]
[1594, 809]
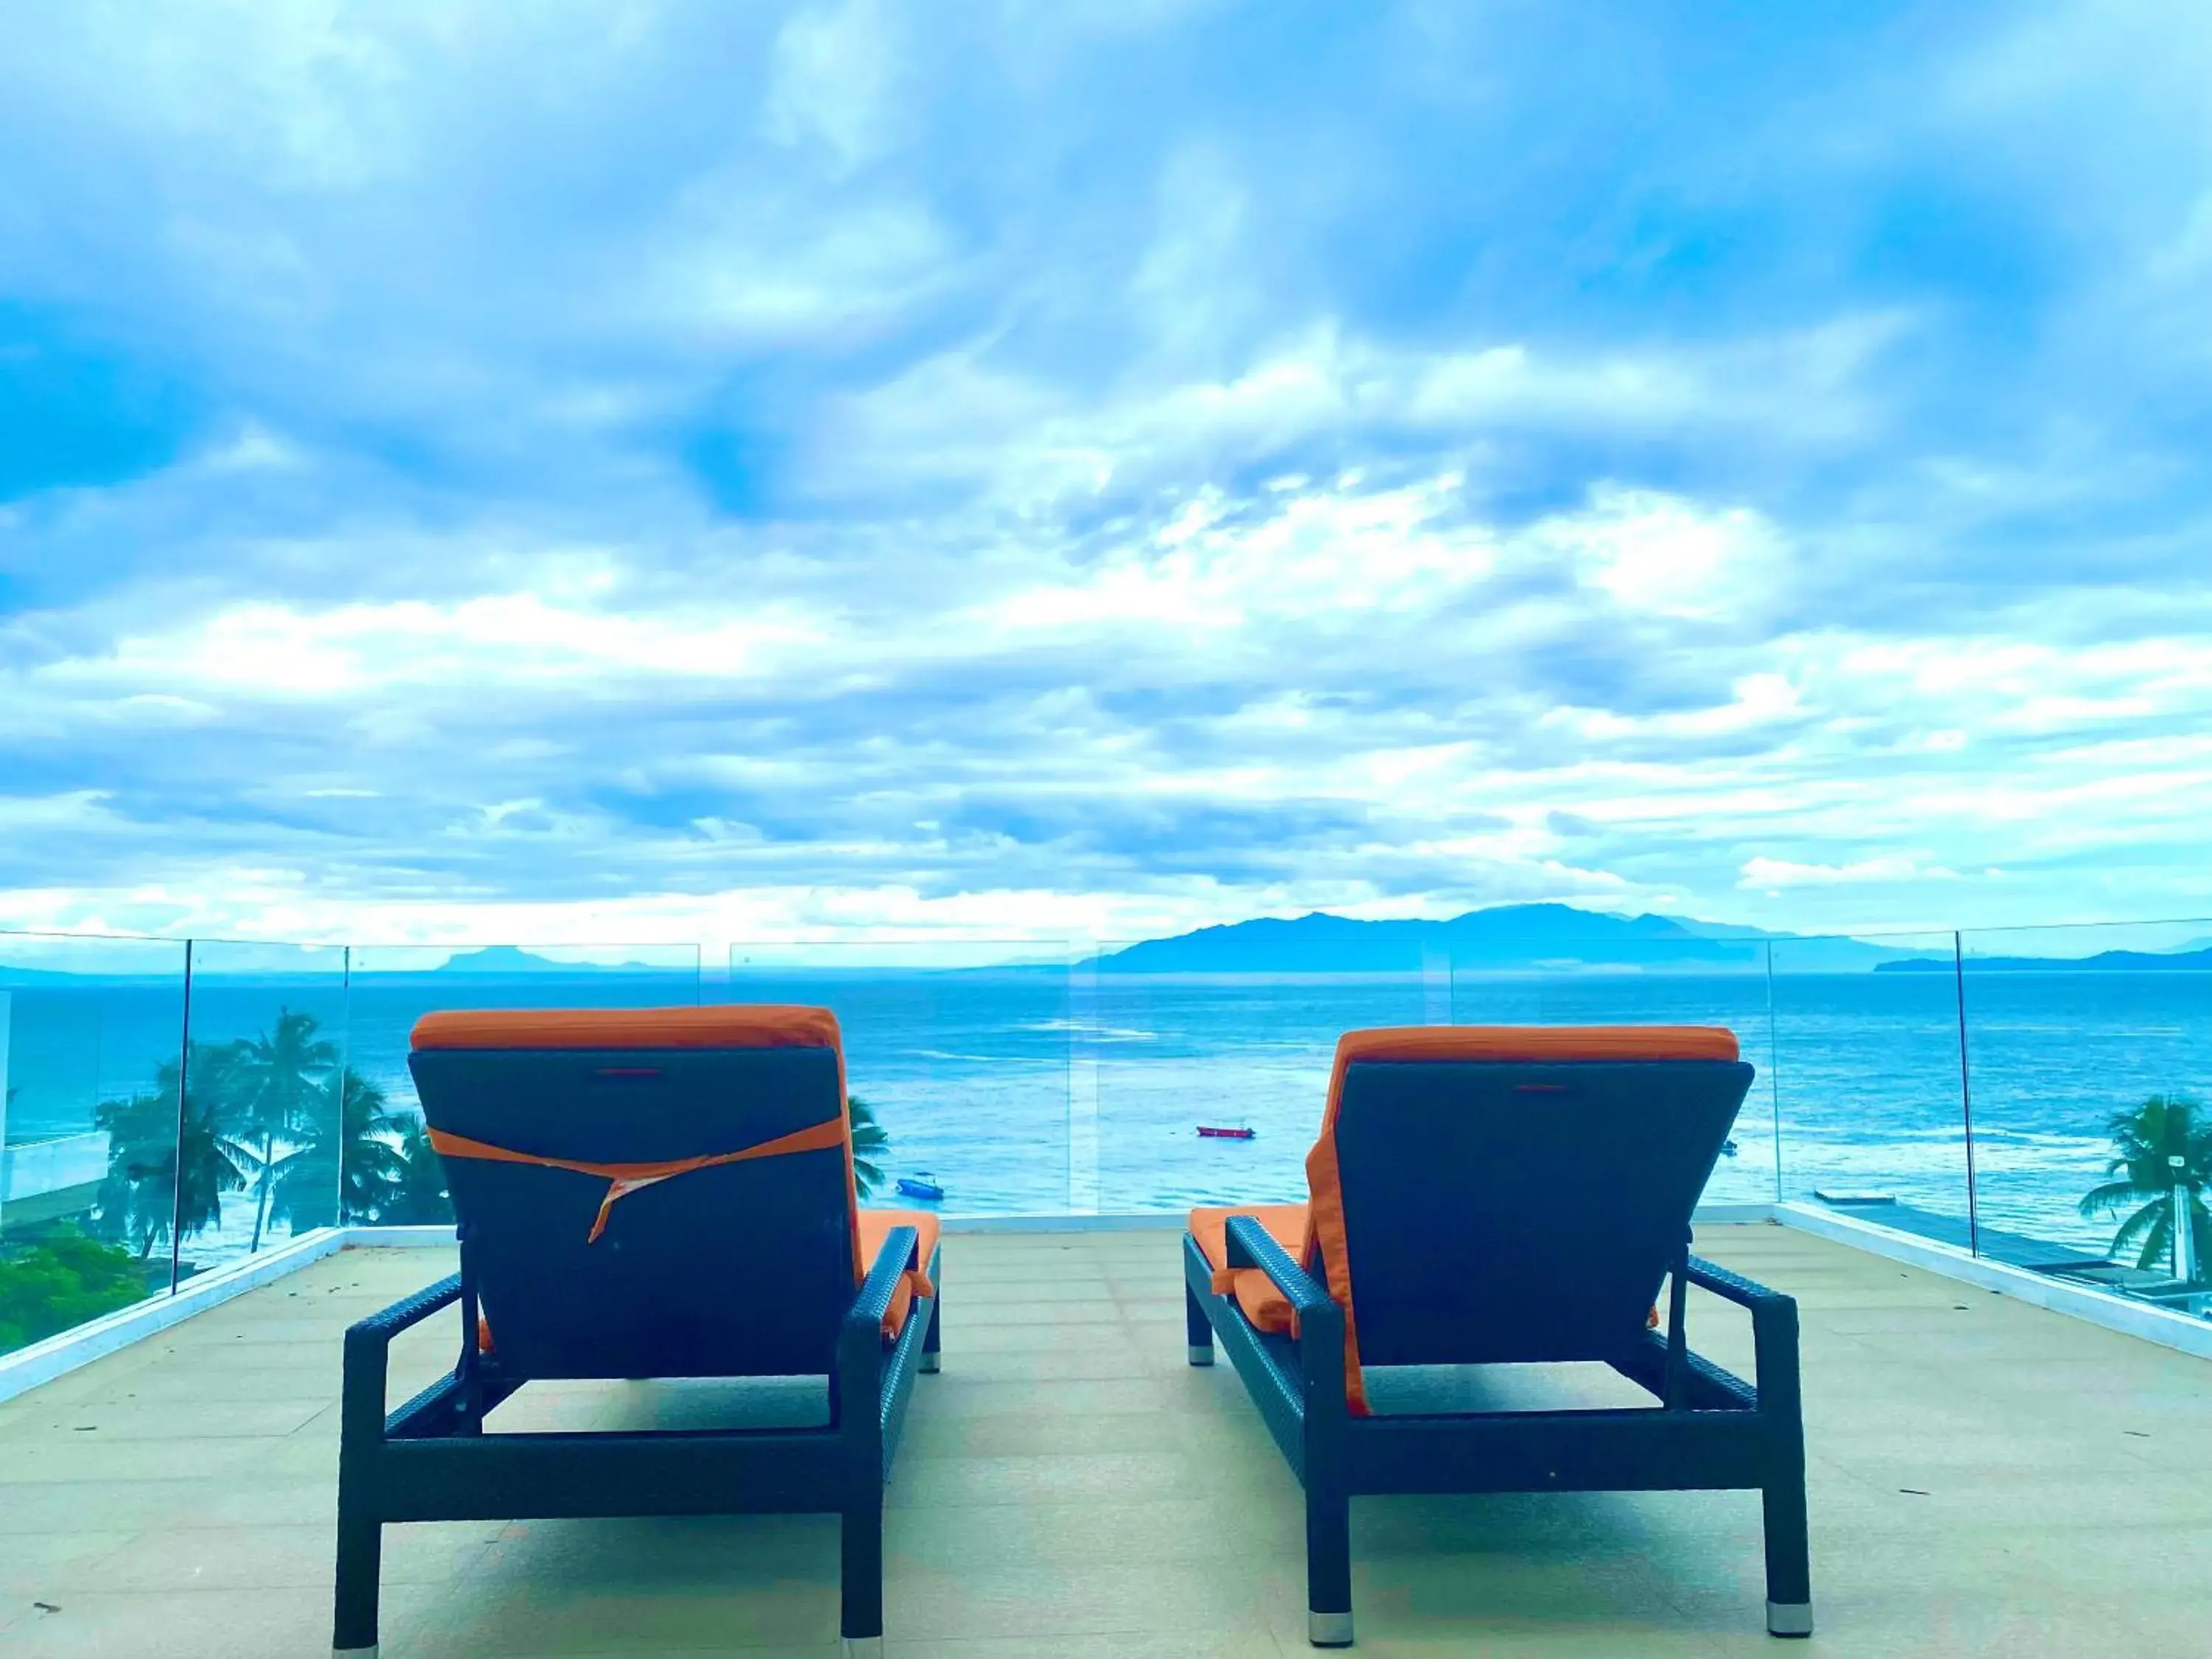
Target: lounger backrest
[1486, 1195]
[648, 1192]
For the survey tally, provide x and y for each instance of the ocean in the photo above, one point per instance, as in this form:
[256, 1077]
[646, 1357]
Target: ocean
[1034, 1089]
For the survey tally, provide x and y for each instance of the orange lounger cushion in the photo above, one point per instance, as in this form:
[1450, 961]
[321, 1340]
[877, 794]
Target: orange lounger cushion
[760, 1026]
[875, 1227]
[1539, 1043]
[1263, 1305]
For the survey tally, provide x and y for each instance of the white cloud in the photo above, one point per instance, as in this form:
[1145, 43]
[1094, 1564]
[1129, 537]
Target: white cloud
[279, 651]
[1770, 873]
[1651, 553]
[582, 469]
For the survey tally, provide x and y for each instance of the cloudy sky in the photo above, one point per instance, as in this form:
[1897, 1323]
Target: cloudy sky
[1099, 466]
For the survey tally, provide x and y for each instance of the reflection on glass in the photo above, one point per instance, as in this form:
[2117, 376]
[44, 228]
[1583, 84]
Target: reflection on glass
[959, 1052]
[1866, 1083]
[2091, 1064]
[89, 1030]
[264, 1072]
[389, 1175]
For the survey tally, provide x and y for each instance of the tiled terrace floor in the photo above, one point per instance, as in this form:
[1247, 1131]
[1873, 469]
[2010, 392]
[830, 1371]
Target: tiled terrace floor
[1986, 1478]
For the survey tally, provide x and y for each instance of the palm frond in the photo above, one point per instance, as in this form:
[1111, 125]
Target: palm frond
[870, 1142]
[2102, 1201]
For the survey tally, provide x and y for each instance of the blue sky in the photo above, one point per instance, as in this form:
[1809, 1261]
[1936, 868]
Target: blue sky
[695, 471]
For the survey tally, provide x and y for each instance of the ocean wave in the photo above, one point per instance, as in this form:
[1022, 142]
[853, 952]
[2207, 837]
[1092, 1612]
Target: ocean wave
[1098, 1033]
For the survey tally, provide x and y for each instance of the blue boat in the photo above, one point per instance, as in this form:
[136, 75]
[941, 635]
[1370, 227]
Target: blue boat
[921, 1185]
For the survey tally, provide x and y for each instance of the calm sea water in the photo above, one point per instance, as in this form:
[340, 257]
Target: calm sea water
[1036, 1091]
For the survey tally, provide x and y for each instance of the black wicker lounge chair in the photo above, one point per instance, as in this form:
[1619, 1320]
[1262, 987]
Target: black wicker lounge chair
[643, 1194]
[1437, 1234]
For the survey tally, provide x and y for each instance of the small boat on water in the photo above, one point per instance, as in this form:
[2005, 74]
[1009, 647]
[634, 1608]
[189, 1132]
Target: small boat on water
[1729, 1148]
[1217, 1132]
[921, 1184]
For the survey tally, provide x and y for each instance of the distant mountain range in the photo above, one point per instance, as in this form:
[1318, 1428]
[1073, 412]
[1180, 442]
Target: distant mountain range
[2133, 962]
[1503, 937]
[511, 961]
[28, 976]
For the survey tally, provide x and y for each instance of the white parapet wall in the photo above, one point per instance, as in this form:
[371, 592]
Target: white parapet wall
[2183, 1332]
[42, 1362]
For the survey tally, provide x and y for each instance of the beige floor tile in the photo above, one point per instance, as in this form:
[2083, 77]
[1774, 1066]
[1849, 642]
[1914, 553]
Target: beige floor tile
[1069, 1486]
[1047, 1601]
[496, 1616]
[1201, 1529]
[939, 1483]
[1250, 1642]
[36, 1566]
[202, 1624]
[1038, 1433]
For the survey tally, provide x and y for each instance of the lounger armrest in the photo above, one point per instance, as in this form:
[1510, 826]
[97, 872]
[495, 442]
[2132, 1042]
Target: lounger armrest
[1251, 1245]
[857, 1388]
[1734, 1287]
[1773, 1337]
[382, 1326]
[901, 1252]
[367, 1357]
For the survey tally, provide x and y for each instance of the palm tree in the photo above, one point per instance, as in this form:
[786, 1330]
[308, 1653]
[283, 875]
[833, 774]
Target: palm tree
[347, 1158]
[282, 1084]
[142, 1194]
[418, 1197]
[2158, 1147]
[869, 1143]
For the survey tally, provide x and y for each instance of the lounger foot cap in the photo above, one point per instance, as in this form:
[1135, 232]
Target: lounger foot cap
[929, 1366]
[1328, 1630]
[1788, 1618]
[1201, 1353]
[864, 1647]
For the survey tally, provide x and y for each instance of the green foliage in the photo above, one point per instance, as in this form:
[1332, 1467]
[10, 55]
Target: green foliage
[2146, 1139]
[345, 1157]
[416, 1196]
[64, 1280]
[870, 1143]
[312, 1140]
[281, 1079]
[145, 1135]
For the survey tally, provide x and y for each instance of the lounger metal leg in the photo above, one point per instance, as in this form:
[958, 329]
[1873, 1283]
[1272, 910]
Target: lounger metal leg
[1782, 1496]
[360, 1563]
[1199, 1329]
[1788, 1564]
[861, 1619]
[1328, 1570]
[930, 1364]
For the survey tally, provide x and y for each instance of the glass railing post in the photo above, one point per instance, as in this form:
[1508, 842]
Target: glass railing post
[1083, 1194]
[2185, 1252]
[177, 1145]
[338, 1216]
[1773, 1069]
[1965, 1094]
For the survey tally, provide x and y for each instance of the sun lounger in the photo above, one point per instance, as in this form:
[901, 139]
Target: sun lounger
[643, 1194]
[1482, 1196]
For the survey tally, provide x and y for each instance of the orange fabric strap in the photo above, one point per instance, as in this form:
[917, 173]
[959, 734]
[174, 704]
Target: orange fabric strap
[624, 1179]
